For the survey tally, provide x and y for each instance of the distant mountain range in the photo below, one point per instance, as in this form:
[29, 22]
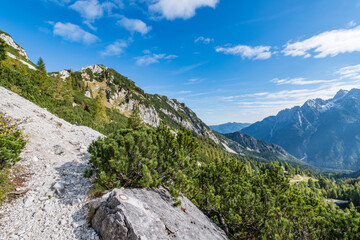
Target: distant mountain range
[324, 133]
[229, 127]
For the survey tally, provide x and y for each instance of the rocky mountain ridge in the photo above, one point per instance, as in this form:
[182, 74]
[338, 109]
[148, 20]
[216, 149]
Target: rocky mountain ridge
[321, 132]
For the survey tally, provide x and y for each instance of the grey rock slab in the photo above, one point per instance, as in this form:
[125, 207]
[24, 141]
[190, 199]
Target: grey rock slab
[150, 214]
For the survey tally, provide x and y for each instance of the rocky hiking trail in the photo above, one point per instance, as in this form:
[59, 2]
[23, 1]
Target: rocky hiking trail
[55, 190]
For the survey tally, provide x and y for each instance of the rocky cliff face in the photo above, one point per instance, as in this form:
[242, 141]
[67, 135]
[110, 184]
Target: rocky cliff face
[15, 51]
[324, 133]
[9, 41]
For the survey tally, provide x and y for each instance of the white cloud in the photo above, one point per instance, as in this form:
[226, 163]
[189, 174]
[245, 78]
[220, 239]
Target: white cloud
[184, 92]
[256, 53]
[204, 40]
[115, 48]
[193, 81]
[60, 2]
[351, 24]
[74, 33]
[134, 25]
[91, 10]
[153, 58]
[258, 105]
[329, 43]
[189, 68]
[172, 9]
[297, 81]
[351, 72]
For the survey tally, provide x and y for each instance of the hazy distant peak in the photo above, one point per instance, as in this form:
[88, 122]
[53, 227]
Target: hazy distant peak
[340, 94]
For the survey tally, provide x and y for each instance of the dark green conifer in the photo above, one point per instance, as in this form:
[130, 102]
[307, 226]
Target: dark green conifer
[41, 65]
[134, 121]
[2, 50]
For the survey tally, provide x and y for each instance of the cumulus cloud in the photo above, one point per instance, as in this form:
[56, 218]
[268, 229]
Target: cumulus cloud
[91, 10]
[255, 53]
[204, 40]
[134, 25]
[326, 44]
[297, 81]
[151, 58]
[185, 9]
[74, 33]
[115, 48]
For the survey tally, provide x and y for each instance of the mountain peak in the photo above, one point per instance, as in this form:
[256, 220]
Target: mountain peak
[96, 68]
[340, 94]
[322, 130]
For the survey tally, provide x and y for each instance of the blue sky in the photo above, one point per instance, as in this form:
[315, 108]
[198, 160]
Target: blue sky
[228, 60]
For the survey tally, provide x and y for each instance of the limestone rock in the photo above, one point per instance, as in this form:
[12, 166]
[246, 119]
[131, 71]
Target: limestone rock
[149, 214]
[58, 150]
[59, 188]
[149, 115]
[64, 74]
[8, 40]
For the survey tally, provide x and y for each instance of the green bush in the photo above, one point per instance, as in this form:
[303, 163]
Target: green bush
[144, 158]
[11, 141]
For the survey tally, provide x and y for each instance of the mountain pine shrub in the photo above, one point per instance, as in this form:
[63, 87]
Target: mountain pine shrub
[144, 157]
[11, 143]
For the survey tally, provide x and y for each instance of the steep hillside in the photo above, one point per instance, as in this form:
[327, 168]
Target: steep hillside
[250, 147]
[229, 127]
[124, 95]
[325, 133]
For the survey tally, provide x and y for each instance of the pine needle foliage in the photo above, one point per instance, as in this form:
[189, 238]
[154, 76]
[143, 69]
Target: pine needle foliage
[11, 141]
[2, 50]
[144, 157]
[41, 65]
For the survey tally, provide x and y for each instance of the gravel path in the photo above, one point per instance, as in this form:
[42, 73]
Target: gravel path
[55, 157]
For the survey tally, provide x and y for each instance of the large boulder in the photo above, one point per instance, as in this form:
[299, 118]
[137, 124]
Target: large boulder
[149, 214]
